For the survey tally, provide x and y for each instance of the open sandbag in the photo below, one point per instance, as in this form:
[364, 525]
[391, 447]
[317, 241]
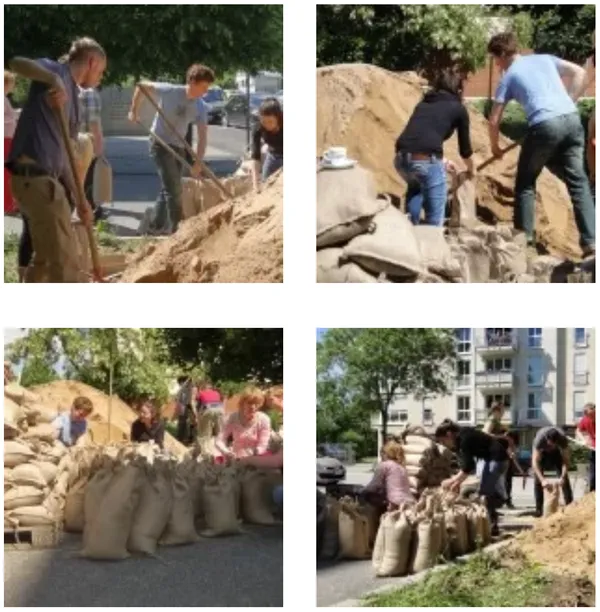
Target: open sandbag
[74, 514]
[508, 258]
[153, 511]
[435, 252]
[332, 268]
[14, 414]
[551, 499]
[220, 508]
[95, 493]
[106, 536]
[48, 470]
[16, 453]
[428, 545]
[44, 431]
[412, 441]
[20, 496]
[32, 516]
[28, 474]
[456, 533]
[476, 528]
[396, 542]
[44, 413]
[180, 527]
[346, 203]
[475, 255]
[463, 202]
[353, 532]
[392, 249]
[254, 508]
[20, 394]
[330, 544]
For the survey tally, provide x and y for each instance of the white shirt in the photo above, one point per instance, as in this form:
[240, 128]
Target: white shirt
[10, 119]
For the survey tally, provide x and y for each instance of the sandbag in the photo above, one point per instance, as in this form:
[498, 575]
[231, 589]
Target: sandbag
[414, 483]
[330, 544]
[44, 431]
[435, 251]
[486, 525]
[153, 511]
[20, 496]
[45, 413]
[551, 499]
[28, 474]
[476, 528]
[180, 527]
[20, 394]
[508, 259]
[11, 431]
[391, 249]
[463, 202]
[420, 442]
[32, 516]
[74, 514]
[106, 536]
[476, 258]
[353, 534]
[102, 181]
[416, 471]
[332, 269]
[14, 414]
[16, 453]
[96, 490]
[397, 540]
[346, 203]
[7, 478]
[254, 508]
[196, 485]
[220, 508]
[48, 470]
[428, 545]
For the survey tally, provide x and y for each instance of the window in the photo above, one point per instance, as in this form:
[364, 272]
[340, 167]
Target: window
[394, 416]
[498, 336]
[580, 373]
[534, 406]
[498, 365]
[427, 416]
[463, 409]
[463, 373]
[463, 340]
[534, 337]
[505, 399]
[580, 336]
[578, 404]
[403, 416]
[535, 370]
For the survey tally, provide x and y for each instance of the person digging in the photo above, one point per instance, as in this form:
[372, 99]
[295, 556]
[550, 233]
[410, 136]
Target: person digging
[555, 135]
[41, 177]
[550, 451]
[471, 445]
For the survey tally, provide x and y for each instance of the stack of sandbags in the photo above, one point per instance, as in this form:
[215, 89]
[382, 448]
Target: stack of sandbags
[426, 462]
[27, 408]
[353, 530]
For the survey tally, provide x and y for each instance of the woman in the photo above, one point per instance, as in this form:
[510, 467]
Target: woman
[494, 427]
[269, 132]
[148, 426]
[419, 149]
[590, 67]
[249, 428]
[10, 125]
[390, 486]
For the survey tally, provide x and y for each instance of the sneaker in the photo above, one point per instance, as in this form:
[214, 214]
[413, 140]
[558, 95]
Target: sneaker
[510, 505]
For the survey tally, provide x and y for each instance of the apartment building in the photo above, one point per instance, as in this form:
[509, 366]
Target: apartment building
[542, 375]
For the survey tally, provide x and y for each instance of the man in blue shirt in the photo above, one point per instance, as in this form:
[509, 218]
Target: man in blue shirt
[179, 103]
[71, 425]
[555, 132]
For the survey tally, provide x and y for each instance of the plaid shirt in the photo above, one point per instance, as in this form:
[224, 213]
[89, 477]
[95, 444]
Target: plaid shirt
[89, 102]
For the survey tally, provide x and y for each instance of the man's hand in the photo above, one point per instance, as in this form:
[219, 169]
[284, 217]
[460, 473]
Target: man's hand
[546, 484]
[450, 166]
[57, 94]
[133, 116]
[196, 170]
[497, 152]
[450, 484]
[85, 214]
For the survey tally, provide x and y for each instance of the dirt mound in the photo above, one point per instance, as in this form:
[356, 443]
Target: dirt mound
[61, 393]
[566, 541]
[239, 241]
[364, 108]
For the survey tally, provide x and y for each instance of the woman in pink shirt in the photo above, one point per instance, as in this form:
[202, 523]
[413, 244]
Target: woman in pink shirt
[10, 125]
[249, 428]
[390, 481]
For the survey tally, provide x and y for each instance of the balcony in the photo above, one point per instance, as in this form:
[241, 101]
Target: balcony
[581, 379]
[482, 415]
[498, 344]
[495, 380]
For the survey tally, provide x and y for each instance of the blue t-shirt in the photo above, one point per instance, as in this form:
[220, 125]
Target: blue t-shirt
[179, 110]
[535, 83]
[69, 431]
[202, 111]
[38, 132]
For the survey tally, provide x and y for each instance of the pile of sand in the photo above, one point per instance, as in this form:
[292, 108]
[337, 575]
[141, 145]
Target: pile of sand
[238, 241]
[365, 108]
[61, 393]
[566, 541]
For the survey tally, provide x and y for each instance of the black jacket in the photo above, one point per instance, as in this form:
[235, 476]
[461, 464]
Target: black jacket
[473, 444]
[141, 433]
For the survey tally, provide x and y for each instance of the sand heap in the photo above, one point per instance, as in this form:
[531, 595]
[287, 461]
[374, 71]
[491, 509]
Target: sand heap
[238, 241]
[565, 541]
[364, 108]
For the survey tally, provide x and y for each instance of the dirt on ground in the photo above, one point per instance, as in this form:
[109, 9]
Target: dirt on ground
[365, 108]
[238, 241]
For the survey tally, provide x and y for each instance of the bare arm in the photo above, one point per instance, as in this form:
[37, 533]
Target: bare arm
[535, 464]
[576, 77]
[274, 462]
[202, 140]
[98, 138]
[494, 124]
[137, 98]
[566, 456]
[30, 69]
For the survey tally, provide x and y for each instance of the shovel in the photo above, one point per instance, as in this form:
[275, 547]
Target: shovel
[166, 146]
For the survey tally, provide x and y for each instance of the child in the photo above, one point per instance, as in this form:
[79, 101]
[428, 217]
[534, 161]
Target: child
[270, 131]
[70, 426]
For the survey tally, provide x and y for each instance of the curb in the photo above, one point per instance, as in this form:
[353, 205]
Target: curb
[414, 578]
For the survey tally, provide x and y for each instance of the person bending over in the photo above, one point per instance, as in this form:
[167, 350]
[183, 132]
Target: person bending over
[269, 132]
[148, 426]
[71, 425]
[586, 432]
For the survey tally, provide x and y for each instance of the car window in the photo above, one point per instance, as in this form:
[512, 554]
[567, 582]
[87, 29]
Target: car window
[213, 95]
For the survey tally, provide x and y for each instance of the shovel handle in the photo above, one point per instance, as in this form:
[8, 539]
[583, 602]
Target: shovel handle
[491, 160]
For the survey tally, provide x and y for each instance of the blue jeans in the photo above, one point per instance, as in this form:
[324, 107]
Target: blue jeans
[426, 181]
[271, 164]
[559, 142]
[491, 486]
[166, 215]
[278, 497]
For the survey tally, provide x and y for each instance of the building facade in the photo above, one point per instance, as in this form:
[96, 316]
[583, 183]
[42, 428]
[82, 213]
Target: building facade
[544, 376]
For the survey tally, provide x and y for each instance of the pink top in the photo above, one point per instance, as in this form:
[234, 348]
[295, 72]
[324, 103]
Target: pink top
[209, 396]
[250, 439]
[390, 477]
[10, 119]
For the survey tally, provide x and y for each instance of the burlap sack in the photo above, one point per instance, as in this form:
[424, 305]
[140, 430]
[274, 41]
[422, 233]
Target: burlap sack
[106, 536]
[416, 471]
[102, 183]
[330, 269]
[74, 516]
[508, 259]
[44, 431]
[330, 545]
[196, 485]
[254, 508]
[346, 203]
[476, 528]
[20, 496]
[16, 453]
[428, 545]
[435, 252]
[13, 413]
[551, 499]
[477, 258]
[486, 525]
[391, 249]
[153, 511]
[44, 413]
[353, 534]
[397, 540]
[180, 527]
[32, 516]
[28, 474]
[49, 470]
[220, 508]
[20, 395]
[420, 442]
[463, 202]
[95, 492]
[8, 483]
[379, 546]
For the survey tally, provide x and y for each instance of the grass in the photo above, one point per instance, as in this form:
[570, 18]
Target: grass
[483, 581]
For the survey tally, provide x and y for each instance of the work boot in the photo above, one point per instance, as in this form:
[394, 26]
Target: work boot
[495, 531]
[509, 505]
[588, 251]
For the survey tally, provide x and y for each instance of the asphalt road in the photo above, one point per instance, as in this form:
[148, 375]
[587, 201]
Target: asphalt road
[135, 181]
[245, 570]
[338, 581]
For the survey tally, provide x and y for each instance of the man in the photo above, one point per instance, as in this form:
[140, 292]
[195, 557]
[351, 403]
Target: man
[41, 176]
[555, 132]
[179, 103]
[550, 450]
[471, 444]
[590, 70]
[586, 432]
[184, 409]
[91, 122]
[71, 425]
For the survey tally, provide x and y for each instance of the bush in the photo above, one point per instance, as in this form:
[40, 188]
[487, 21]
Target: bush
[579, 454]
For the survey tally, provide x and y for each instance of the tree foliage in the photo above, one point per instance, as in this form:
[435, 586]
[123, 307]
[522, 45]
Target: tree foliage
[152, 40]
[363, 370]
[37, 372]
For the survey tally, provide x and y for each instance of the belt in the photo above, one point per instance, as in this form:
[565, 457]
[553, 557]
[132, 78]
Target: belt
[28, 170]
[420, 156]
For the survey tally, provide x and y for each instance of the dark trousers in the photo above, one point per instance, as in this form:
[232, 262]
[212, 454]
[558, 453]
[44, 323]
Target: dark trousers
[551, 460]
[186, 425]
[25, 246]
[509, 482]
[593, 470]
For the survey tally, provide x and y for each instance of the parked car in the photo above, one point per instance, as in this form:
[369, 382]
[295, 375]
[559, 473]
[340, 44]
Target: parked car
[279, 96]
[329, 470]
[236, 109]
[215, 100]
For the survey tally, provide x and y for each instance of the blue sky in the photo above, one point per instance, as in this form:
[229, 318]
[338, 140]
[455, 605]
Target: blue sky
[320, 332]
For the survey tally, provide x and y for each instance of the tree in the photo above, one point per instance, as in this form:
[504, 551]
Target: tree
[367, 368]
[37, 372]
[152, 41]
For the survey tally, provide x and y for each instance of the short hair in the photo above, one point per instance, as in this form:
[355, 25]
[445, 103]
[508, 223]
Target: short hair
[497, 406]
[503, 45]
[197, 73]
[81, 48]
[251, 395]
[445, 427]
[9, 77]
[84, 404]
[449, 80]
[182, 379]
[589, 407]
[394, 451]
[270, 107]
[151, 405]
